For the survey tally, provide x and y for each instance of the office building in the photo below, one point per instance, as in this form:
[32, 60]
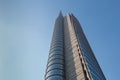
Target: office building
[70, 56]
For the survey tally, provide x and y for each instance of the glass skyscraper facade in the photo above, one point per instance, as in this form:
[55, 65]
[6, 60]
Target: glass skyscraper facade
[70, 56]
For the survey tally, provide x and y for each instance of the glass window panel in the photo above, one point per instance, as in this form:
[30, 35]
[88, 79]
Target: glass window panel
[55, 56]
[54, 66]
[53, 61]
[55, 53]
[56, 77]
[54, 72]
[56, 49]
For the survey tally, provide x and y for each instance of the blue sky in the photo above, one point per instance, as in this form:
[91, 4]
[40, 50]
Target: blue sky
[26, 28]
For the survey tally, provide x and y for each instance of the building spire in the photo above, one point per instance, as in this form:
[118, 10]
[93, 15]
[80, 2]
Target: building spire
[60, 13]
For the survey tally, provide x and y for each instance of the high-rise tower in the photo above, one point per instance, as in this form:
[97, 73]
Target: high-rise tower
[70, 55]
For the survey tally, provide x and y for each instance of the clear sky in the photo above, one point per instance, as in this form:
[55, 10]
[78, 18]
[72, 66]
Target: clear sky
[26, 28]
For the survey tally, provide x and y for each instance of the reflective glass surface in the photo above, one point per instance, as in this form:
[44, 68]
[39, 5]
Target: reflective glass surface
[55, 57]
[55, 53]
[54, 72]
[55, 61]
[56, 77]
[55, 66]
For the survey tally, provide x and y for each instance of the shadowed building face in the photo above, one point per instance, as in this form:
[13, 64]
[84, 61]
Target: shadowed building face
[70, 55]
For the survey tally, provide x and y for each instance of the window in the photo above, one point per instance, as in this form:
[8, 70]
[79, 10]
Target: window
[56, 49]
[54, 61]
[55, 53]
[55, 57]
[55, 77]
[55, 66]
[54, 72]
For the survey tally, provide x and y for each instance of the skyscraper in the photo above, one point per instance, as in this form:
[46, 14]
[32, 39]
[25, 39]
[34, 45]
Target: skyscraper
[70, 55]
